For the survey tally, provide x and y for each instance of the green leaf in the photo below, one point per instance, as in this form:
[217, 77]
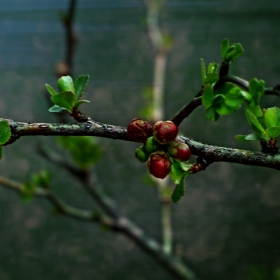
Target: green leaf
[80, 85]
[218, 100]
[211, 78]
[271, 117]
[5, 132]
[211, 114]
[256, 89]
[224, 47]
[203, 70]
[212, 68]
[207, 96]
[224, 109]
[65, 84]
[233, 52]
[254, 122]
[179, 191]
[250, 137]
[186, 166]
[246, 95]
[80, 102]
[84, 150]
[240, 138]
[64, 100]
[41, 179]
[57, 109]
[256, 110]
[273, 132]
[51, 90]
[176, 173]
[28, 192]
[255, 137]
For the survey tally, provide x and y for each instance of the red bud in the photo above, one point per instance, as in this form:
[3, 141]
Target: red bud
[179, 151]
[139, 130]
[158, 164]
[165, 131]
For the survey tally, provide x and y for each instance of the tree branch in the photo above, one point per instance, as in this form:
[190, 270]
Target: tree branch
[121, 224]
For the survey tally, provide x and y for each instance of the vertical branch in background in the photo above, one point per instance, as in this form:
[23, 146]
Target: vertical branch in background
[66, 67]
[160, 48]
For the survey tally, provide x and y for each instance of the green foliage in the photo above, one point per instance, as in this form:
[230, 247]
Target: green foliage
[179, 190]
[42, 178]
[230, 53]
[141, 154]
[256, 89]
[265, 123]
[5, 132]
[27, 192]
[84, 150]
[69, 94]
[179, 171]
[212, 74]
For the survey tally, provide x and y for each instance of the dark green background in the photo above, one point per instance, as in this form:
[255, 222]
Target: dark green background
[227, 225]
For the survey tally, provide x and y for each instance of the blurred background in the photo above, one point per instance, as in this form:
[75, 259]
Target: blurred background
[227, 225]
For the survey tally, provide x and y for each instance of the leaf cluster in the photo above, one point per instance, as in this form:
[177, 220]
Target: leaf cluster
[84, 150]
[69, 94]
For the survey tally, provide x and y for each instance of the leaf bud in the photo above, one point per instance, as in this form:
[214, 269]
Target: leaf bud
[139, 130]
[165, 131]
[179, 151]
[141, 154]
[159, 164]
[152, 145]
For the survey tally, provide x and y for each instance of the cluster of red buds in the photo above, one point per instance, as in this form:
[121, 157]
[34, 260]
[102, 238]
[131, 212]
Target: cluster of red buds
[159, 145]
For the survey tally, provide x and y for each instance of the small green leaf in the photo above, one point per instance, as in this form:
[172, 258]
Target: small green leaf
[203, 70]
[176, 173]
[256, 110]
[224, 47]
[218, 100]
[27, 192]
[179, 191]
[256, 89]
[211, 78]
[224, 109]
[186, 166]
[255, 137]
[271, 116]
[250, 137]
[57, 109]
[5, 132]
[246, 95]
[211, 114]
[208, 96]
[80, 102]
[212, 68]
[240, 138]
[51, 90]
[254, 122]
[64, 100]
[233, 52]
[84, 150]
[273, 132]
[65, 84]
[80, 85]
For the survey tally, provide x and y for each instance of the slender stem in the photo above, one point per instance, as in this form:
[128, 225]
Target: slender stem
[156, 37]
[121, 224]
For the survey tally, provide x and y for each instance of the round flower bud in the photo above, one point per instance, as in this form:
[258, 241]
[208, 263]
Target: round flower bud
[152, 145]
[159, 165]
[141, 154]
[179, 151]
[139, 130]
[165, 131]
